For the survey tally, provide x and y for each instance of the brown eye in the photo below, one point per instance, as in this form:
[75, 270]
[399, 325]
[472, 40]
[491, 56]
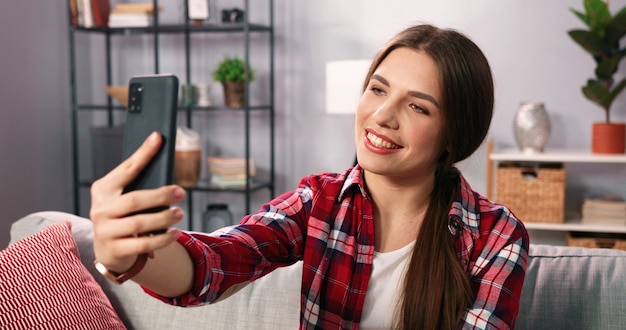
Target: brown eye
[377, 91]
[417, 108]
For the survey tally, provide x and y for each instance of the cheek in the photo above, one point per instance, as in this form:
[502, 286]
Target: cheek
[368, 104]
[428, 135]
[438, 142]
[362, 112]
[360, 120]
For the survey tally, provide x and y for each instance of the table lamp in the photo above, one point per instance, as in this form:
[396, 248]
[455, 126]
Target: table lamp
[344, 84]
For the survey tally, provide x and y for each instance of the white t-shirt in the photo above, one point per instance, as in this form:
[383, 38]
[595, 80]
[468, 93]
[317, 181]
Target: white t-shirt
[381, 298]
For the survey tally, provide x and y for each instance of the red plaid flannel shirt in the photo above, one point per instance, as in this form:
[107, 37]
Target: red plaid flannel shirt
[328, 223]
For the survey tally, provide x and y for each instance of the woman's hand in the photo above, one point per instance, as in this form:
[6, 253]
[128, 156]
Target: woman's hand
[117, 237]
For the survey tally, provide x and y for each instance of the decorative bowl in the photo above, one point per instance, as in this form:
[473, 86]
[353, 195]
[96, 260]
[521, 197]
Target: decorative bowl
[119, 94]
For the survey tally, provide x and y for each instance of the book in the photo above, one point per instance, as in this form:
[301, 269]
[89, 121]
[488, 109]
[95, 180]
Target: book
[604, 204]
[604, 221]
[228, 181]
[230, 165]
[100, 12]
[130, 20]
[605, 209]
[600, 213]
[79, 12]
[239, 177]
[134, 8]
[87, 14]
[132, 15]
[73, 12]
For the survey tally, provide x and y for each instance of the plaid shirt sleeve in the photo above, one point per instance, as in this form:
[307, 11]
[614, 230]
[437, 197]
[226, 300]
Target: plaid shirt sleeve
[497, 267]
[262, 242]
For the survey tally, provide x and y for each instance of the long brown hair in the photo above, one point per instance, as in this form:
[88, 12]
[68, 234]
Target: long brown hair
[436, 289]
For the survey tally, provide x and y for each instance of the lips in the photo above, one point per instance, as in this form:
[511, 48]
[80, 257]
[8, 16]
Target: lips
[378, 142]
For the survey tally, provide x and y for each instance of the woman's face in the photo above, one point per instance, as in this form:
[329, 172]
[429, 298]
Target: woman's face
[398, 127]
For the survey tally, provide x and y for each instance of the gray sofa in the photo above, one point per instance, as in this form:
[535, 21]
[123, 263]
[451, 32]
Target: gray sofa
[565, 288]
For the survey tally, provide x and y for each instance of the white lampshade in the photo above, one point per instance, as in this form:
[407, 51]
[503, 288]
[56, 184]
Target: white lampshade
[344, 82]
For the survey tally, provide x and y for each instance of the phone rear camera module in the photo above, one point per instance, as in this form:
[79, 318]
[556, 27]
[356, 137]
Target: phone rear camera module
[134, 98]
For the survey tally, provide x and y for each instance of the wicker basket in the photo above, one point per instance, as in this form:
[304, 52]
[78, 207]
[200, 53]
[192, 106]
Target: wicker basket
[597, 240]
[533, 193]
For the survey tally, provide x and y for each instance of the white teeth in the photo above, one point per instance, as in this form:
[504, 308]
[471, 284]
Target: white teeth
[378, 142]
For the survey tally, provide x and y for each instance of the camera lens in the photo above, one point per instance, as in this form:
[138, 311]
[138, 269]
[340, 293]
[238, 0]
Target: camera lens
[134, 102]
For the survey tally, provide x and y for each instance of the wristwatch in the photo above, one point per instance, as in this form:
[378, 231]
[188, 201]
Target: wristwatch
[123, 277]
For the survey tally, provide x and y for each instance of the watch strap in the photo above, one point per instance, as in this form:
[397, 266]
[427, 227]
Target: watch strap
[118, 278]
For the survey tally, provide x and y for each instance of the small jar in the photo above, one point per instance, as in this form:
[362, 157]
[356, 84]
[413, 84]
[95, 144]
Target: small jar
[215, 217]
[187, 158]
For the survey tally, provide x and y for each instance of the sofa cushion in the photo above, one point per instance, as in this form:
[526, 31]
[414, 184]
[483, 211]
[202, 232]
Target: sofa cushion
[573, 288]
[45, 285]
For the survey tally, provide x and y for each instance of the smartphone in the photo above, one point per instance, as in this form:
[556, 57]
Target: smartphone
[152, 106]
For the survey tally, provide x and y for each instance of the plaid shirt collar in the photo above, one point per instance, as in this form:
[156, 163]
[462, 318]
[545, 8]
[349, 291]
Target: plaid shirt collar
[465, 201]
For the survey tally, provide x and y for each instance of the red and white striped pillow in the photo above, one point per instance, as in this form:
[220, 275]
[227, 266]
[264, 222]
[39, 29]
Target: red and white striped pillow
[44, 285]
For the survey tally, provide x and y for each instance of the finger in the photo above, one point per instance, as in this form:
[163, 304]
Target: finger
[127, 171]
[133, 246]
[121, 253]
[141, 223]
[140, 200]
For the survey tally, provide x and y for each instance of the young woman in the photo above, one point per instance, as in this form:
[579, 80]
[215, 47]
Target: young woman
[399, 241]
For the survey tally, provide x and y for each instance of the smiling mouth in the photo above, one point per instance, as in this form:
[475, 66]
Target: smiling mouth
[380, 143]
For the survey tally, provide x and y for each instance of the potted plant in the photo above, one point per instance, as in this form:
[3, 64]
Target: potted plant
[231, 72]
[602, 41]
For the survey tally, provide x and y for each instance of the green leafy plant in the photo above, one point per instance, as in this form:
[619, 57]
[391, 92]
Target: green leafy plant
[602, 41]
[232, 69]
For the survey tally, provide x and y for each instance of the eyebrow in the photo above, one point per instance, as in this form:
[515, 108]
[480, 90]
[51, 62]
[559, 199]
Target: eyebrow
[419, 95]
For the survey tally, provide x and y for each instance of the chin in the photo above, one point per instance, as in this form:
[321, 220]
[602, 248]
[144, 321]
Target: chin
[373, 165]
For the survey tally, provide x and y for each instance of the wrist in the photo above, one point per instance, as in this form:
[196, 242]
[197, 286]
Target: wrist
[119, 278]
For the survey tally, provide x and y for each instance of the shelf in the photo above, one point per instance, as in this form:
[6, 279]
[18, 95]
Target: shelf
[104, 107]
[207, 187]
[576, 225]
[224, 108]
[556, 155]
[573, 222]
[110, 107]
[177, 28]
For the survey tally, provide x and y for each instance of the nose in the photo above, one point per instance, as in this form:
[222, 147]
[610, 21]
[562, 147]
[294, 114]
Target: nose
[386, 114]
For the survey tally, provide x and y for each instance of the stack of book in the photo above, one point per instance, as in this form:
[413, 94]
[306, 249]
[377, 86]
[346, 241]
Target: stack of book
[604, 209]
[229, 172]
[89, 13]
[132, 15]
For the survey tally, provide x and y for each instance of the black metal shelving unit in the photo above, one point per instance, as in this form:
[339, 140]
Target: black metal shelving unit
[185, 29]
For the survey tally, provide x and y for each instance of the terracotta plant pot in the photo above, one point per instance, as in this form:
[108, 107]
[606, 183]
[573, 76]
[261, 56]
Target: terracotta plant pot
[234, 94]
[608, 138]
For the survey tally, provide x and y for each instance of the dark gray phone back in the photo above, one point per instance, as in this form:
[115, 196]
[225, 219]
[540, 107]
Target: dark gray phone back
[152, 106]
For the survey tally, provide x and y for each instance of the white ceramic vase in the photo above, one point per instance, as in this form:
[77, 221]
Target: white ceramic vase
[532, 127]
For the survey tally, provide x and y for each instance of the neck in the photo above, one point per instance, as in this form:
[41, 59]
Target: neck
[399, 209]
